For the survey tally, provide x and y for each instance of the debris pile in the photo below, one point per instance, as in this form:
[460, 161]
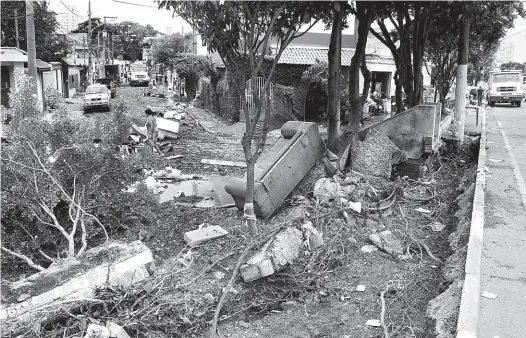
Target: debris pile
[376, 155]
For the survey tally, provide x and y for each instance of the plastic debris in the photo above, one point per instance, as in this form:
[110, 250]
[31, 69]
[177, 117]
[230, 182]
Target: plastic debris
[437, 226]
[373, 322]
[326, 189]
[489, 295]
[360, 288]
[368, 248]
[425, 211]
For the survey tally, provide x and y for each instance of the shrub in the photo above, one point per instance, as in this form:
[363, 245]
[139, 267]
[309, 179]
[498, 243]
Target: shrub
[60, 192]
[53, 98]
[23, 103]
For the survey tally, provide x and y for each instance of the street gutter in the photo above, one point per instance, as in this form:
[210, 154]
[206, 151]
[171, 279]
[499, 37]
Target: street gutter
[468, 316]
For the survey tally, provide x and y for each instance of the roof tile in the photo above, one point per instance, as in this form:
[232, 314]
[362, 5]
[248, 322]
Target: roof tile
[308, 55]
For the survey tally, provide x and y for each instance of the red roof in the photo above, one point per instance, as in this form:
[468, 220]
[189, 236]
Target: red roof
[293, 55]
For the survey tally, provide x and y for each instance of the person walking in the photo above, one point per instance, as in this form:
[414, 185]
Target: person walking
[151, 129]
[480, 93]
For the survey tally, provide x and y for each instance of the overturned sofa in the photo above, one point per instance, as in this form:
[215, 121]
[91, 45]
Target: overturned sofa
[278, 171]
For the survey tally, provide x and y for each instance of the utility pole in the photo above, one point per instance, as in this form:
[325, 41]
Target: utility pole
[16, 30]
[31, 47]
[89, 42]
[462, 80]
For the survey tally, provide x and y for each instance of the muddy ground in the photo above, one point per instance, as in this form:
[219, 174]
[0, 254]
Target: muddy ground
[316, 296]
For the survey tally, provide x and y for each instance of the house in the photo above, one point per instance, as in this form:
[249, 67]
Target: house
[12, 59]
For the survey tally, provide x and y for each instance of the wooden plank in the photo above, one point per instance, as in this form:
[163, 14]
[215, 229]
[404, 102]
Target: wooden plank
[226, 163]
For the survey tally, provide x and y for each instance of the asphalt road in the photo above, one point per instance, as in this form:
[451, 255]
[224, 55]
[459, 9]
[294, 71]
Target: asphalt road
[504, 250]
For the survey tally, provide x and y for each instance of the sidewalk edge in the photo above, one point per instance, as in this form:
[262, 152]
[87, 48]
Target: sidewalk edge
[467, 324]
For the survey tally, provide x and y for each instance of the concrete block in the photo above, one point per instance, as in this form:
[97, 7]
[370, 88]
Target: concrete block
[200, 236]
[275, 255]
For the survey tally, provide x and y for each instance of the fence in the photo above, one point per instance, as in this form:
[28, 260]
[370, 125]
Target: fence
[249, 97]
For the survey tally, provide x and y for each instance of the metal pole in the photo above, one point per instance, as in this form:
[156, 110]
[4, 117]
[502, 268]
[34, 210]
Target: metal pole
[89, 42]
[31, 47]
[16, 30]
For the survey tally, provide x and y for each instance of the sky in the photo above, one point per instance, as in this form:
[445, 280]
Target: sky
[162, 20]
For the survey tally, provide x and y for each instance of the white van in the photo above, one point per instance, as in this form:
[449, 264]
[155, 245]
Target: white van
[505, 87]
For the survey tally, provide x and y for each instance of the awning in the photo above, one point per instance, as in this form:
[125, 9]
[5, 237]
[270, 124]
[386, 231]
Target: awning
[43, 66]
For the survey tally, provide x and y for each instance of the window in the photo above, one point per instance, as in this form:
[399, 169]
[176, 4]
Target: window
[96, 90]
[505, 78]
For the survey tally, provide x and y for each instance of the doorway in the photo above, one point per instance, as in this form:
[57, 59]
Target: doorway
[6, 85]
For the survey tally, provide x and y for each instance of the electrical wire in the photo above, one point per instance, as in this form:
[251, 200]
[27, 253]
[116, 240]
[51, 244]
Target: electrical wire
[135, 4]
[69, 9]
[522, 31]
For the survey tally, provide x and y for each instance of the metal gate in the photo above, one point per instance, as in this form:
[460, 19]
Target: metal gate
[249, 98]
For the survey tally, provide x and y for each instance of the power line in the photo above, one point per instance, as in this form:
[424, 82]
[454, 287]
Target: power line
[69, 9]
[131, 3]
[522, 31]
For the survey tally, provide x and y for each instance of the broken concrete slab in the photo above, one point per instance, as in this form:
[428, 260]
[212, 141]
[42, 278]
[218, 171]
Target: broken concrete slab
[278, 171]
[276, 254]
[386, 242]
[376, 155]
[72, 280]
[201, 236]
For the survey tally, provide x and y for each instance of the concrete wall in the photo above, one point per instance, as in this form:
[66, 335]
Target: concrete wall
[408, 129]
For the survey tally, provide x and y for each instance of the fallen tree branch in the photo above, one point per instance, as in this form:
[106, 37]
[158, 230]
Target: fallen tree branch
[25, 259]
[213, 329]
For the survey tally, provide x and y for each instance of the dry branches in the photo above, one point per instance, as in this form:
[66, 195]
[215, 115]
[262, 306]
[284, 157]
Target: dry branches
[25, 259]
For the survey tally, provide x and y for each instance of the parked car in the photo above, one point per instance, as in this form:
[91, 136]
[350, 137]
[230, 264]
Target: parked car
[111, 86]
[97, 95]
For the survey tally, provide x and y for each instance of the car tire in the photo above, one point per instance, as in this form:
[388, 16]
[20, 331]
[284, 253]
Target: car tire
[519, 104]
[86, 111]
[492, 104]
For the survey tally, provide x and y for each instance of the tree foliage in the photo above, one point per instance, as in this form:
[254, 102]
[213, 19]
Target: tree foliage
[127, 36]
[58, 189]
[489, 23]
[50, 44]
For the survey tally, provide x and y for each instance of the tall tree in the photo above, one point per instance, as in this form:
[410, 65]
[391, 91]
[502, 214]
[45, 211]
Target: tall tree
[364, 12]
[240, 33]
[335, 60]
[50, 45]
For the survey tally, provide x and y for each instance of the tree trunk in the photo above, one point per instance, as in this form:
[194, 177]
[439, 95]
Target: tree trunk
[364, 13]
[418, 82]
[334, 57]
[398, 94]
[250, 216]
[31, 47]
[462, 81]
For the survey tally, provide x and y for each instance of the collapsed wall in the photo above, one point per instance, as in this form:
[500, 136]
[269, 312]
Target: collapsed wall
[444, 309]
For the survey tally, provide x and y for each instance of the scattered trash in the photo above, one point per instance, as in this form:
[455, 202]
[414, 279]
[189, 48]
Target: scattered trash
[360, 288]
[244, 324]
[167, 128]
[356, 206]
[373, 322]
[368, 248]
[23, 297]
[385, 241]
[179, 193]
[173, 157]
[437, 226]
[326, 189]
[495, 161]
[425, 211]
[200, 236]
[313, 238]
[219, 275]
[225, 163]
[487, 294]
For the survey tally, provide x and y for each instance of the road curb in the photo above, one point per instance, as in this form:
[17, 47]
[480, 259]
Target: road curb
[468, 317]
